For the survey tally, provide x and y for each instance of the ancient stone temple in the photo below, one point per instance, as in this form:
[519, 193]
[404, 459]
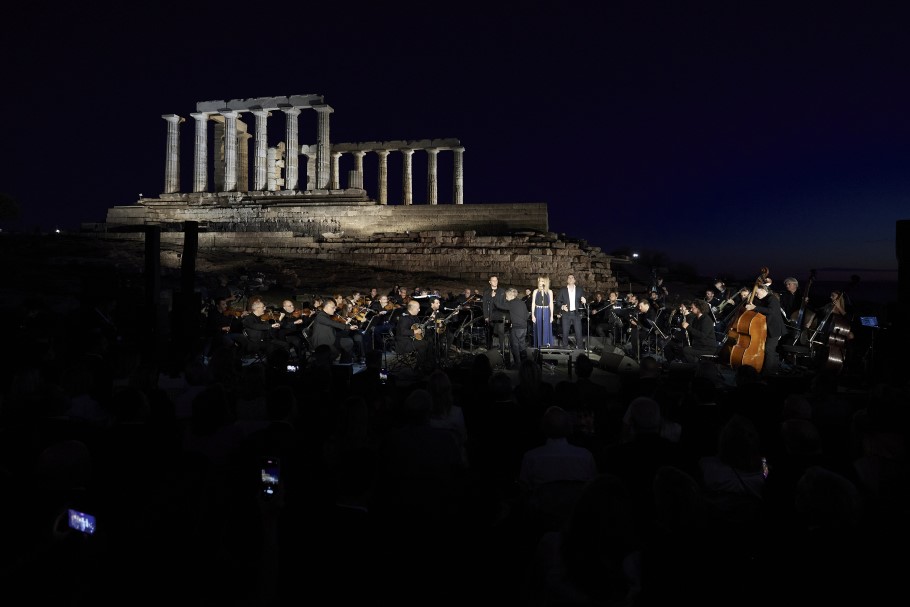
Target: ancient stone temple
[325, 200]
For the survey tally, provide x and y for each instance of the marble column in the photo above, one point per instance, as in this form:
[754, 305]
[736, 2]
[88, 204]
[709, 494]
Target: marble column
[336, 167]
[407, 177]
[383, 185]
[309, 152]
[243, 162]
[172, 160]
[458, 182]
[432, 182]
[201, 153]
[358, 166]
[323, 147]
[261, 161]
[291, 175]
[230, 150]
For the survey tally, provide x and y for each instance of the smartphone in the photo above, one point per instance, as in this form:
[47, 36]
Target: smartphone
[764, 467]
[383, 376]
[80, 521]
[270, 473]
[293, 368]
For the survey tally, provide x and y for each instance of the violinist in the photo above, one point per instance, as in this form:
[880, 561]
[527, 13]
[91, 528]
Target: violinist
[292, 322]
[401, 296]
[382, 322]
[768, 304]
[222, 327]
[329, 330]
[355, 317]
[257, 327]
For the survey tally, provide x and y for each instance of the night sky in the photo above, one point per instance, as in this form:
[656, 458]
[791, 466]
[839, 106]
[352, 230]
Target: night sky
[725, 137]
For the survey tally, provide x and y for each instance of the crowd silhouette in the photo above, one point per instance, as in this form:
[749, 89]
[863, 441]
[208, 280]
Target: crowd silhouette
[464, 484]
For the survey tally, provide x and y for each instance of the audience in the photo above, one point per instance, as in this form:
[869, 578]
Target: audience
[607, 490]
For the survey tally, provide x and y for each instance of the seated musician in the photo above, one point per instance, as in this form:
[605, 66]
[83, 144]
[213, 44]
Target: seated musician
[260, 337]
[436, 329]
[679, 338]
[699, 326]
[640, 325]
[401, 296]
[222, 327]
[465, 296]
[354, 315]
[292, 322]
[382, 323]
[410, 333]
[599, 316]
[333, 333]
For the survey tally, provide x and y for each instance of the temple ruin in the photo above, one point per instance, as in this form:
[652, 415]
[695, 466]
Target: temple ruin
[332, 201]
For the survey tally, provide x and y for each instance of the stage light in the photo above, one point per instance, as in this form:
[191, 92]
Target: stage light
[634, 255]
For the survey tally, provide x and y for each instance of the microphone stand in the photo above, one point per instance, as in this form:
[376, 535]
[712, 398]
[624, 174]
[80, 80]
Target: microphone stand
[588, 329]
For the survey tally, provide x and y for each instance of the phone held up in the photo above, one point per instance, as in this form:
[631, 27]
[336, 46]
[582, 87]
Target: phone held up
[80, 521]
[269, 476]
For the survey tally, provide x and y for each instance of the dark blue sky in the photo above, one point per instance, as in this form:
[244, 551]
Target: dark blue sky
[728, 137]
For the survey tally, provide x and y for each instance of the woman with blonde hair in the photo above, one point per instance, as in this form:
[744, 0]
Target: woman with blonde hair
[542, 313]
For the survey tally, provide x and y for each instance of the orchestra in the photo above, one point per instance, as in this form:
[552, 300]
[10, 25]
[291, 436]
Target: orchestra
[474, 320]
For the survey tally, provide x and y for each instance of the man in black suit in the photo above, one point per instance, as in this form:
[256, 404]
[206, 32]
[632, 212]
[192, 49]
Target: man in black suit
[699, 326]
[410, 338]
[570, 300]
[332, 333]
[493, 300]
[519, 314]
[767, 303]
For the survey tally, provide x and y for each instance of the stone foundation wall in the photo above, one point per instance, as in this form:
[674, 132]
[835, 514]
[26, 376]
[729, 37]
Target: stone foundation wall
[467, 257]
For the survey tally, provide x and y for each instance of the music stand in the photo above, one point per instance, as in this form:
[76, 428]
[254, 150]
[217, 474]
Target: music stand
[651, 334]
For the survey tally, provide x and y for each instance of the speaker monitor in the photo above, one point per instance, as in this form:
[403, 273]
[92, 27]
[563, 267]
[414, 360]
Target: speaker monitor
[618, 363]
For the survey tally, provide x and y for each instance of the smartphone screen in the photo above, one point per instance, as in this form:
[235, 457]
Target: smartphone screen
[269, 475]
[764, 467]
[80, 521]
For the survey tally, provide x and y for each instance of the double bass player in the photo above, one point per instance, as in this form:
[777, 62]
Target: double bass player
[767, 304]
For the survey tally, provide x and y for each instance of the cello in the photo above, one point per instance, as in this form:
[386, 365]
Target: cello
[839, 332]
[746, 336]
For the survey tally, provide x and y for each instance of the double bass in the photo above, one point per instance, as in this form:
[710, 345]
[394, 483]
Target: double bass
[744, 344]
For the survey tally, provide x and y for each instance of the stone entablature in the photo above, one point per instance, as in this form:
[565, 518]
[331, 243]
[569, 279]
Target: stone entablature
[353, 219]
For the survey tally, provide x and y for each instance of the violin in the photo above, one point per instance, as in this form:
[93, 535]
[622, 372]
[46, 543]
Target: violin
[341, 319]
[270, 315]
[359, 313]
[297, 313]
[391, 306]
[233, 312]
